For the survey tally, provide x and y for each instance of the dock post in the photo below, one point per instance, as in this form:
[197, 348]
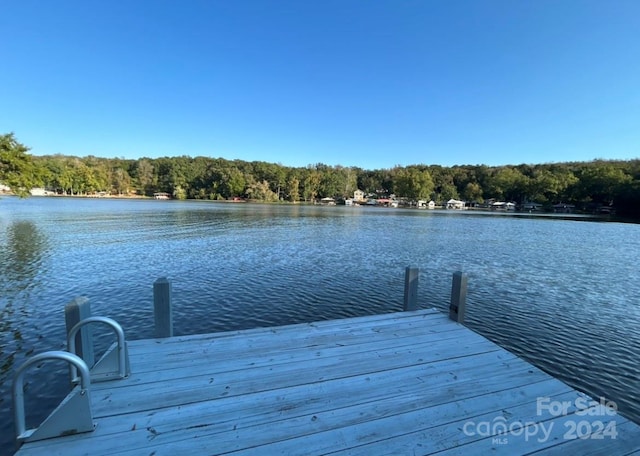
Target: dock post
[162, 311]
[74, 312]
[411, 275]
[458, 297]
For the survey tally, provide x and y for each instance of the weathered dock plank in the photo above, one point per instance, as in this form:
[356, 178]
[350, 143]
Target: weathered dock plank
[282, 342]
[405, 383]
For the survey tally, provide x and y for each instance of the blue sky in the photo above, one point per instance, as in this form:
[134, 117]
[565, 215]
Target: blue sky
[371, 84]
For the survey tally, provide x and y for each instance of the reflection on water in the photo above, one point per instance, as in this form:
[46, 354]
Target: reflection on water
[22, 249]
[548, 289]
[23, 253]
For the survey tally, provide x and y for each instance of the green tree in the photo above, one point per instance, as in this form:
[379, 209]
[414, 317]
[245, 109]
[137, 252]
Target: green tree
[293, 189]
[172, 176]
[52, 168]
[233, 182]
[412, 182]
[370, 181]
[120, 181]
[380, 182]
[350, 181]
[272, 173]
[473, 192]
[17, 169]
[601, 181]
[508, 183]
[260, 191]
[581, 183]
[311, 185]
[99, 170]
[331, 182]
[444, 187]
[144, 173]
[550, 184]
[66, 177]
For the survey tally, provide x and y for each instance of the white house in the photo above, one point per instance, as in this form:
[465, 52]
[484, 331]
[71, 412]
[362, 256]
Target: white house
[503, 206]
[39, 191]
[358, 196]
[455, 204]
[328, 202]
[422, 204]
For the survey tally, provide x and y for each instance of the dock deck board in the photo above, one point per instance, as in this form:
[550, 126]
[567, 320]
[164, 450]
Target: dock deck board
[401, 383]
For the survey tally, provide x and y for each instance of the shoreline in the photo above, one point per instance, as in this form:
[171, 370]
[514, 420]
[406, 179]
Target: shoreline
[440, 208]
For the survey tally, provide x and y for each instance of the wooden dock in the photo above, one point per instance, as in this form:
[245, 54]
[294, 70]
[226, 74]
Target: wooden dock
[401, 383]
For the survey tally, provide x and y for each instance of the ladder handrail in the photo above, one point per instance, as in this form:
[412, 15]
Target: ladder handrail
[71, 342]
[18, 382]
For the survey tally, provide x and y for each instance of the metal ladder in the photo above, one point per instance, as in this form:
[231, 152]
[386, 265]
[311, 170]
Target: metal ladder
[73, 415]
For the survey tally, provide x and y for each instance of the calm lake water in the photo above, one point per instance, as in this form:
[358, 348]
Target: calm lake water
[563, 294]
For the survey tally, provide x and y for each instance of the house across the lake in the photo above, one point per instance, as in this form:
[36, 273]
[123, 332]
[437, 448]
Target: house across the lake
[502, 206]
[328, 202]
[39, 191]
[422, 204]
[455, 204]
[531, 207]
[563, 208]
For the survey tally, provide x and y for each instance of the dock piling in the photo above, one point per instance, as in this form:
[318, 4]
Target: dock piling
[162, 310]
[74, 312]
[457, 307]
[411, 276]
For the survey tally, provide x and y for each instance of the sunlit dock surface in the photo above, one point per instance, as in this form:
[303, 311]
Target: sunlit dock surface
[399, 383]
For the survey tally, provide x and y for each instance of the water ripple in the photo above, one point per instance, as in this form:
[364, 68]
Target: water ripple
[562, 294]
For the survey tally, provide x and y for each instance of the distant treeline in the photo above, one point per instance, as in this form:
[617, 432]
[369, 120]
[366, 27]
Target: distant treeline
[584, 184]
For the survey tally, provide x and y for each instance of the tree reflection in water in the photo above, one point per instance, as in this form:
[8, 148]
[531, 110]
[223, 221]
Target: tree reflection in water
[23, 249]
